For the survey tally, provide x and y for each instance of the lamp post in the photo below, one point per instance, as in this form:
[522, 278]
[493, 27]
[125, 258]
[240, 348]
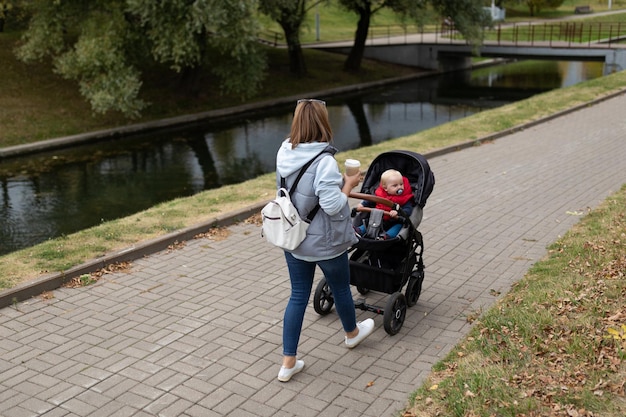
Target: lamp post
[317, 23]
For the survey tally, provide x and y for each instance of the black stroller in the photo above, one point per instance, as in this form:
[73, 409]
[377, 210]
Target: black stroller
[387, 265]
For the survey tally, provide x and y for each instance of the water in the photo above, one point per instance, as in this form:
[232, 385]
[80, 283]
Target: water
[57, 193]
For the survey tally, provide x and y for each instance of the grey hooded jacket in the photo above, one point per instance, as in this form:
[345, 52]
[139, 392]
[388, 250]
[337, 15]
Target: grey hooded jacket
[330, 232]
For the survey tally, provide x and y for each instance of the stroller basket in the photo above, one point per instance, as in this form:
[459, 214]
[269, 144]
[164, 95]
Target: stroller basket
[374, 278]
[377, 273]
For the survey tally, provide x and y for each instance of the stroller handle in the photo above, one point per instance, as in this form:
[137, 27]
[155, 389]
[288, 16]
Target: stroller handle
[377, 200]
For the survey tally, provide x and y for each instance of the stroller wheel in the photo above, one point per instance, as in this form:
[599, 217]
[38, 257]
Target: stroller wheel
[395, 312]
[414, 288]
[323, 300]
[362, 290]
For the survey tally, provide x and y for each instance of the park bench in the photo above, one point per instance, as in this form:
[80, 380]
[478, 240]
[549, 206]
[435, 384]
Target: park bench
[583, 10]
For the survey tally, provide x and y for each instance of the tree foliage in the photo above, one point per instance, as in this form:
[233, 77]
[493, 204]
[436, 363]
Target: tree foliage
[106, 45]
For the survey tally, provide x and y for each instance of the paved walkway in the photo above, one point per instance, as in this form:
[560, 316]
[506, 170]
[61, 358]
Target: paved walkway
[196, 331]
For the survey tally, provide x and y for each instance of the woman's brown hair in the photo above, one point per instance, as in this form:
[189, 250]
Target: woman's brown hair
[310, 123]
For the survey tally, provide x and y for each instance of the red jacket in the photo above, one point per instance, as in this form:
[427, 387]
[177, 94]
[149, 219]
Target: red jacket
[405, 200]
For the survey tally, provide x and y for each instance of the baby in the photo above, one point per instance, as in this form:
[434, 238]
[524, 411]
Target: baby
[393, 186]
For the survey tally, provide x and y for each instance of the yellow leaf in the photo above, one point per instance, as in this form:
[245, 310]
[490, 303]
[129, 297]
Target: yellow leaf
[434, 387]
[613, 332]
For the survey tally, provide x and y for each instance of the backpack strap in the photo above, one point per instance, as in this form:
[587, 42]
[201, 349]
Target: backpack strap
[312, 213]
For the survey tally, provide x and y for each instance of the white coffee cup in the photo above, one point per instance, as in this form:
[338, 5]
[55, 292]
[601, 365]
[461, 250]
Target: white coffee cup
[352, 167]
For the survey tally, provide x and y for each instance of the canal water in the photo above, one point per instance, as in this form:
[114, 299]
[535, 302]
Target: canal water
[52, 194]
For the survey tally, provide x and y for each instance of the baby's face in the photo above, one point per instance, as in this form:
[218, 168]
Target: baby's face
[394, 184]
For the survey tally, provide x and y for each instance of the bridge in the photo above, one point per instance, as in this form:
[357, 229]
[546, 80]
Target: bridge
[445, 49]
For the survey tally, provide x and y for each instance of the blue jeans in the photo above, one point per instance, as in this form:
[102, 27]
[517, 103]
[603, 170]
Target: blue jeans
[337, 273]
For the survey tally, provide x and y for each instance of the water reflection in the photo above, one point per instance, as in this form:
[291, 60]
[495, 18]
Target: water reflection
[52, 194]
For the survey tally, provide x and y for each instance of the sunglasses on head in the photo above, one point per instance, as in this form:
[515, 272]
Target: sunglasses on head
[312, 100]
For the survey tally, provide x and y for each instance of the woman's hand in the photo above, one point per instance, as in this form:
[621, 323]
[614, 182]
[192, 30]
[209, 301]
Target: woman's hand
[393, 214]
[349, 182]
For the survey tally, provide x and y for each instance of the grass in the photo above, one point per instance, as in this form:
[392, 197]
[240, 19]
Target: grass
[556, 344]
[519, 12]
[553, 346]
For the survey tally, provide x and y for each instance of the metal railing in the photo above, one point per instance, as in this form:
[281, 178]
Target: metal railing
[271, 37]
[570, 33]
[396, 33]
[573, 34]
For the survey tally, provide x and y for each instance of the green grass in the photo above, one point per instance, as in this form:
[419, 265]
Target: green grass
[519, 11]
[545, 349]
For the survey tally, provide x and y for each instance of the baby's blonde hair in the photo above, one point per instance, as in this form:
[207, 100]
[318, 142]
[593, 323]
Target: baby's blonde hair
[387, 175]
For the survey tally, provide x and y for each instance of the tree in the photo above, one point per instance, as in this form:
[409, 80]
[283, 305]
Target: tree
[5, 7]
[535, 6]
[468, 17]
[290, 14]
[13, 9]
[104, 45]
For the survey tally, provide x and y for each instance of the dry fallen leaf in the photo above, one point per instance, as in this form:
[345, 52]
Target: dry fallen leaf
[255, 219]
[215, 233]
[46, 295]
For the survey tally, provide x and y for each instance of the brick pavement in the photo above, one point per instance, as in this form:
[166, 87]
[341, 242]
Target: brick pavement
[196, 331]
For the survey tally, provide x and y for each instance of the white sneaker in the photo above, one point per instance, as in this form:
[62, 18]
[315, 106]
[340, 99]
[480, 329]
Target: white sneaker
[285, 374]
[366, 327]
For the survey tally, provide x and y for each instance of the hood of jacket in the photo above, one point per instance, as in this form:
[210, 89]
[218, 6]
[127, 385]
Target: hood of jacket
[290, 160]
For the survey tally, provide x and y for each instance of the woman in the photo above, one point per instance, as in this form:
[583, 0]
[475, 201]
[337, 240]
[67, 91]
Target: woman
[329, 235]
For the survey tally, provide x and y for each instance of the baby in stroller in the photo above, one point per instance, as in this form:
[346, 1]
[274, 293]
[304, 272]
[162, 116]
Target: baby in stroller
[396, 188]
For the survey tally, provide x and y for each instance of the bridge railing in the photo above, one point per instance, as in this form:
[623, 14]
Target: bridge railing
[397, 33]
[573, 34]
[271, 37]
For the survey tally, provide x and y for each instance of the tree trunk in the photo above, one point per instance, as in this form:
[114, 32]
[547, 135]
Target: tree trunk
[190, 80]
[297, 66]
[353, 62]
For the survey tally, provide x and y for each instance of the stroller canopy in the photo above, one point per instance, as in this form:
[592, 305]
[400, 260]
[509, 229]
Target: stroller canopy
[412, 165]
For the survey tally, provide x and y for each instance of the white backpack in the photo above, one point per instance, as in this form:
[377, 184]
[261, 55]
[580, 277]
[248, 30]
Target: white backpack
[282, 225]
